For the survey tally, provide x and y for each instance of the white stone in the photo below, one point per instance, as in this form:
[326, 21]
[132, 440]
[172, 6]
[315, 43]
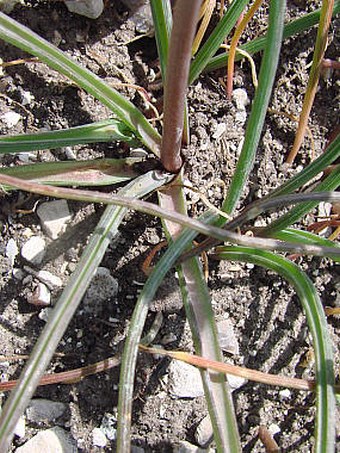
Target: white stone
[53, 440]
[102, 287]
[33, 250]
[20, 428]
[184, 380]
[241, 99]
[11, 119]
[274, 429]
[88, 8]
[26, 97]
[98, 438]
[227, 337]
[43, 410]
[204, 432]
[11, 250]
[54, 216]
[49, 279]
[285, 393]
[41, 296]
[235, 382]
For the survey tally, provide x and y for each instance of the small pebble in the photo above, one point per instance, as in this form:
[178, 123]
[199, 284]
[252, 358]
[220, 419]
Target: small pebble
[49, 279]
[187, 447]
[11, 119]
[41, 296]
[286, 393]
[98, 438]
[88, 8]
[41, 410]
[54, 216]
[45, 313]
[33, 250]
[184, 380]
[204, 432]
[11, 251]
[241, 99]
[53, 440]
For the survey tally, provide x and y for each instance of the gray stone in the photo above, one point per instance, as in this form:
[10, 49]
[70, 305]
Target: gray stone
[184, 380]
[53, 440]
[43, 410]
[49, 279]
[33, 250]
[54, 215]
[88, 8]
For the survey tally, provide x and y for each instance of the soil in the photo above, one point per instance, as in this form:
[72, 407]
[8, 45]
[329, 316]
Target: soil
[266, 315]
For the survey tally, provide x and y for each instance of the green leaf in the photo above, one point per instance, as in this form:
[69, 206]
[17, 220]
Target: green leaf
[102, 131]
[22, 37]
[324, 368]
[66, 306]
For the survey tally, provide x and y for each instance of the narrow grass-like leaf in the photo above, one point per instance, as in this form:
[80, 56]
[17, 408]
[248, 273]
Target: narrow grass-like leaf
[99, 172]
[197, 302]
[306, 237]
[154, 210]
[324, 371]
[102, 131]
[22, 37]
[66, 306]
[259, 108]
[258, 44]
[128, 367]
[331, 182]
[162, 21]
[216, 38]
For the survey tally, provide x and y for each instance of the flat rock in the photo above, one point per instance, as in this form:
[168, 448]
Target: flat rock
[43, 410]
[54, 215]
[33, 250]
[53, 440]
[185, 380]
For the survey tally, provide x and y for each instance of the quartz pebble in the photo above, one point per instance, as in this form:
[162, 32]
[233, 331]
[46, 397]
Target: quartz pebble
[54, 215]
[33, 250]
